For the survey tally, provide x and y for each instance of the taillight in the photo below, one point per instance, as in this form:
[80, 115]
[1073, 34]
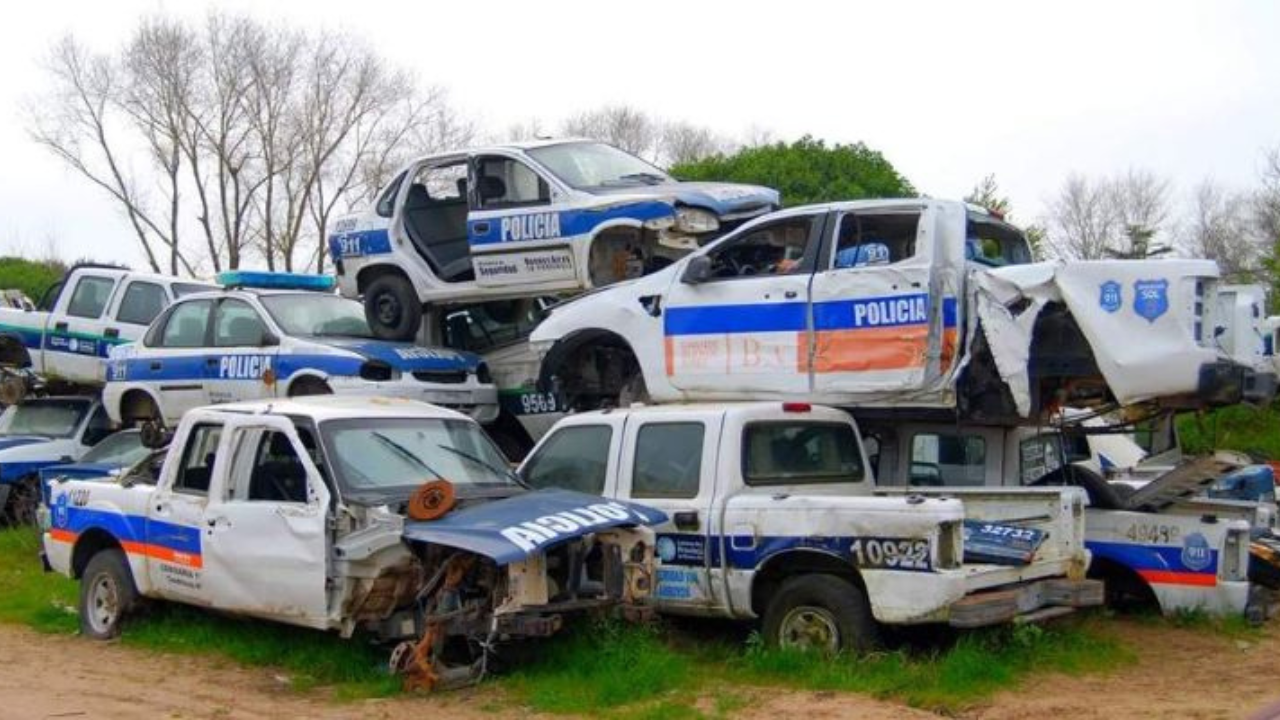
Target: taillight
[796, 407]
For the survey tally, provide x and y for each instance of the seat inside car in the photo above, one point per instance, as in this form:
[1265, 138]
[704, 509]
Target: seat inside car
[438, 229]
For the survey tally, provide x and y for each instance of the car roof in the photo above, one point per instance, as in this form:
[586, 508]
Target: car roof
[820, 412]
[336, 407]
[517, 145]
[252, 292]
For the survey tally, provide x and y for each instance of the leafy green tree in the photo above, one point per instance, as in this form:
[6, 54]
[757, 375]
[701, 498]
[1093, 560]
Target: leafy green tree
[32, 277]
[805, 171]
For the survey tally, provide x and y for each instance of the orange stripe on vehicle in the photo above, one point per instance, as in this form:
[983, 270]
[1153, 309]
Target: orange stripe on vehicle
[949, 340]
[863, 349]
[65, 536]
[669, 354]
[157, 552]
[1171, 577]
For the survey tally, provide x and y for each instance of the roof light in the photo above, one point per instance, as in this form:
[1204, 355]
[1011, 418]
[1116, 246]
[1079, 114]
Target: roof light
[796, 407]
[275, 280]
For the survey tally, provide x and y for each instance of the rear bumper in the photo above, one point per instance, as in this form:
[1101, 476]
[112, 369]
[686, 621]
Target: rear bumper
[1037, 600]
[1226, 383]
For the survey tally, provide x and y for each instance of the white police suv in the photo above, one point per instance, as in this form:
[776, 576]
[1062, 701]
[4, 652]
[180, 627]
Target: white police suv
[523, 220]
[280, 335]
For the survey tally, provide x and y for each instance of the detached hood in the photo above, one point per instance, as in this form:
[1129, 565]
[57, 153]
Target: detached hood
[514, 528]
[406, 357]
[720, 198]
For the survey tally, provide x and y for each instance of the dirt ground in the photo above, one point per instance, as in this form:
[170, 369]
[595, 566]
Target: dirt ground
[1179, 673]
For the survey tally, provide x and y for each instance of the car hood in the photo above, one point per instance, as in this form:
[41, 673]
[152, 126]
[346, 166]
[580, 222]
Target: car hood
[514, 528]
[720, 198]
[14, 441]
[406, 357]
[80, 471]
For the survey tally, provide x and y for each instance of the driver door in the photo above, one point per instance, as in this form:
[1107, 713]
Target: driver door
[745, 325]
[515, 233]
[266, 543]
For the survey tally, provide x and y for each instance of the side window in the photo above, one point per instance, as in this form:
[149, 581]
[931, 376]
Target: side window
[444, 183]
[387, 202]
[948, 460]
[98, 427]
[866, 239]
[668, 460]
[236, 324]
[780, 248]
[573, 458]
[506, 183]
[1038, 456]
[197, 460]
[278, 474]
[50, 297]
[141, 303]
[186, 325]
[90, 297]
[783, 453]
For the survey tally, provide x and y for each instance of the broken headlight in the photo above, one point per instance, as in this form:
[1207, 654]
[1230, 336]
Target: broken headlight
[693, 220]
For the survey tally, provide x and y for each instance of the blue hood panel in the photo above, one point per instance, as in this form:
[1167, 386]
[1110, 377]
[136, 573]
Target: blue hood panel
[719, 198]
[79, 471]
[407, 357]
[512, 529]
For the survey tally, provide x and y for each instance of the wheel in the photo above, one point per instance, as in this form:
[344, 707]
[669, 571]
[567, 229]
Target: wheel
[633, 390]
[309, 386]
[24, 498]
[392, 308]
[820, 612]
[107, 595]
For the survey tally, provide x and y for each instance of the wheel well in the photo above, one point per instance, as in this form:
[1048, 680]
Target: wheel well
[782, 566]
[306, 380]
[135, 402]
[367, 275]
[13, 352]
[595, 363]
[1125, 588]
[90, 543]
[1062, 366]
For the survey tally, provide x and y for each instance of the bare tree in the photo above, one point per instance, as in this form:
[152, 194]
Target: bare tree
[987, 194]
[1082, 222]
[1266, 200]
[683, 142]
[628, 128]
[1140, 202]
[1218, 228]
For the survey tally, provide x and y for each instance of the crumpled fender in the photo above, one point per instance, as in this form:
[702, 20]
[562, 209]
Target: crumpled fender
[514, 528]
[1144, 348]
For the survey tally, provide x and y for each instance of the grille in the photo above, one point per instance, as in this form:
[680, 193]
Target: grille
[452, 377]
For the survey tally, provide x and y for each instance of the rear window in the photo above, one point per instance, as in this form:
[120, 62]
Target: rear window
[668, 461]
[948, 460]
[789, 453]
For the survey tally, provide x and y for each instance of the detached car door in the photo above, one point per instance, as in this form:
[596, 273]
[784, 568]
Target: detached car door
[736, 319]
[878, 325]
[265, 540]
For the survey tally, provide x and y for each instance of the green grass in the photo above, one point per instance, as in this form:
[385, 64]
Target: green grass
[1239, 427]
[602, 669]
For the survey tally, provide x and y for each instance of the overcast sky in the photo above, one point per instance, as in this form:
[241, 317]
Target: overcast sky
[948, 91]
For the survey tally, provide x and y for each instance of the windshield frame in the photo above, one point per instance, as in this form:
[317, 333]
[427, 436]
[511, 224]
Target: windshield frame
[539, 155]
[382, 494]
[267, 302]
[85, 407]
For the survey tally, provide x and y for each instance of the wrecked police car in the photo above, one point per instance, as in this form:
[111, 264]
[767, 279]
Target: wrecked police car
[917, 303]
[387, 516]
[521, 220]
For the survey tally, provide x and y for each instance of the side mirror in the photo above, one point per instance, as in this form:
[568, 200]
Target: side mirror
[269, 339]
[697, 271]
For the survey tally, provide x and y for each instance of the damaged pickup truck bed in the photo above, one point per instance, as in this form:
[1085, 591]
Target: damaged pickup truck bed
[392, 517]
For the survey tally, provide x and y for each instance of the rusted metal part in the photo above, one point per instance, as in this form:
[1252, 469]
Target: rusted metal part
[431, 500]
[423, 667]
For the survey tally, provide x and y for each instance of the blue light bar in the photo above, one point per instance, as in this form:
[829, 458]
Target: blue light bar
[275, 280]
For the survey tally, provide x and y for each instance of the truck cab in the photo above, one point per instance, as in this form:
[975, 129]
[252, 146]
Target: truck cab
[65, 340]
[522, 220]
[775, 515]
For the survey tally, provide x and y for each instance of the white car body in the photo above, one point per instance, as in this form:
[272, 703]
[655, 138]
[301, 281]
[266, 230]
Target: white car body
[902, 327]
[92, 309]
[24, 453]
[274, 364]
[729, 541]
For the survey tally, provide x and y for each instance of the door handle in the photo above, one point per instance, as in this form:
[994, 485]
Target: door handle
[685, 519]
[789, 294]
[61, 325]
[111, 332]
[481, 228]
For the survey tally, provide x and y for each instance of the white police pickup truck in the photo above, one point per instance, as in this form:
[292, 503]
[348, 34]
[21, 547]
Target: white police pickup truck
[775, 515]
[1160, 545]
[280, 335]
[387, 516]
[913, 302]
[65, 340]
[521, 220]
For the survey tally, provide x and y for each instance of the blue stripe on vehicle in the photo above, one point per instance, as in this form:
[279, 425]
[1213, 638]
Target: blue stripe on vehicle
[949, 312]
[129, 528]
[359, 244]
[872, 312]
[1149, 557]
[713, 319]
[748, 552]
[572, 223]
[284, 366]
[14, 471]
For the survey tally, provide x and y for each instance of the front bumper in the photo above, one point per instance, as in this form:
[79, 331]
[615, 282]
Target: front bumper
[1226, 383]
[470, 398]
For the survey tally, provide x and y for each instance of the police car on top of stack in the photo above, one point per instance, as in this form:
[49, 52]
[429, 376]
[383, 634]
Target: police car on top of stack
[279, 335]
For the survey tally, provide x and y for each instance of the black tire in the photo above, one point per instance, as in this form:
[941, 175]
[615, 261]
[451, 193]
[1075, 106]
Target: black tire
[392, 308]
[309, 386]
[107, 595]
[24, 498]
[820, 612]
